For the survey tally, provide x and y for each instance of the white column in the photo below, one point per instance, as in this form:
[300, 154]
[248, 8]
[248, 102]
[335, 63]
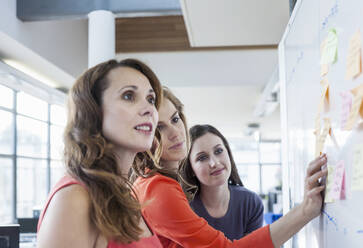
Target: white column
[101, 37]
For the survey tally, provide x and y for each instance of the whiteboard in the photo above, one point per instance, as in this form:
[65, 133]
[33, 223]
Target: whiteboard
[341, 222]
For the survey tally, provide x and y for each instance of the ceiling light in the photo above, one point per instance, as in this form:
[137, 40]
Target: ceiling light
[30, 72]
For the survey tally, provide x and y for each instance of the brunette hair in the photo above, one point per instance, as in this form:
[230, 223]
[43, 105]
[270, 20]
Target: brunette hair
[190, 182]
[89, 156]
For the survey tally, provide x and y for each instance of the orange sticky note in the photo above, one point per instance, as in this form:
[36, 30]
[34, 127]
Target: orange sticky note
[354, 58]
[324, 98]
[322, 137]
[357, 107]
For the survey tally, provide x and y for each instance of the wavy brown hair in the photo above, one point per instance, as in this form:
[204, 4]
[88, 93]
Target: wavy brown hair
[89, 157]
[190, 182]
[147, 168]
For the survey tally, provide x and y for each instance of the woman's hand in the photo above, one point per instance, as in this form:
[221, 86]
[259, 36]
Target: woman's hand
[288, 225]
[313, 199]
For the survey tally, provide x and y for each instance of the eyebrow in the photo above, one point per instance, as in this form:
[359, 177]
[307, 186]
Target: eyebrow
[176, 112]
[134, 87]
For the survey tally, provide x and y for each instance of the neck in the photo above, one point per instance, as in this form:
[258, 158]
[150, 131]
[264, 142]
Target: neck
[171, 165]
[216, 197]
[124, 160]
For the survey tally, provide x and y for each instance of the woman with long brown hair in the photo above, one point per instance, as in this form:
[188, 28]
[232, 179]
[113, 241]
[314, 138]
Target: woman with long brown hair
[166, 207]
[218, 193]
[111, 120]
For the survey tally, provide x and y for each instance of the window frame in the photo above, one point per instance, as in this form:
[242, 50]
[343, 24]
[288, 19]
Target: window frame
[54, 97]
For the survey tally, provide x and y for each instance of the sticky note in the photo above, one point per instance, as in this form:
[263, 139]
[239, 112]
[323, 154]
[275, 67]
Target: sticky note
[322, 137]
[330, 50]
[337, 186]
[357, 176]
[324, 68]
[324, 98]
[347, 99]
[354, 58]
[356, 108]
[324, 104]
[329, 184]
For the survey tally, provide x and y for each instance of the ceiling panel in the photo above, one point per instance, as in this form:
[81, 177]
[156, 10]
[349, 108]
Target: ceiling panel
[235, 22]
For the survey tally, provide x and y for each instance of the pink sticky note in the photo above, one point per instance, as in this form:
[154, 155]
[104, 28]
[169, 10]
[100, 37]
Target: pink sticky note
[342, 192]
[347, 99]
[336, 190]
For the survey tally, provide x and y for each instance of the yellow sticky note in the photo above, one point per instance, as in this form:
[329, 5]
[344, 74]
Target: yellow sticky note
[322, 137]
[329, 184]
[354, 58]
[324, 68]
[330, 49]
[356, 108]
[357, 178]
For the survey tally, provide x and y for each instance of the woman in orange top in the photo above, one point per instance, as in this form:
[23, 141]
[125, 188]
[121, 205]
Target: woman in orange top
[112, 117]
[166, 207]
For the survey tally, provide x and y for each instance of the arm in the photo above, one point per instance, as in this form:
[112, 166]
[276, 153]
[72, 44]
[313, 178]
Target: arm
[168, 212]
[67, 222]
[285, 227]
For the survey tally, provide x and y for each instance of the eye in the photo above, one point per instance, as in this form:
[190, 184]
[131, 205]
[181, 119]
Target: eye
[128, 96]
[151, 99]
[202, 157]
[160, 127]
[175, 119]
[218, 151]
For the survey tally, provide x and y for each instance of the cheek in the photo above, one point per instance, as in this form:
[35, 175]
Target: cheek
[200, 171]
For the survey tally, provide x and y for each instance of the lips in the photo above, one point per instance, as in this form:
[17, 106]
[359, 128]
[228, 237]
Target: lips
[217, 172]
[176, 146]
[146, 128]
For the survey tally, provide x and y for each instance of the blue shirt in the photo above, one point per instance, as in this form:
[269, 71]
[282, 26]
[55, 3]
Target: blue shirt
[244, 214]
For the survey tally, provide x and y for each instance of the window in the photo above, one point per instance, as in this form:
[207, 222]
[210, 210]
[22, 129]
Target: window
[31, 185]
[32, 137]
[6, 132]
[258, 164]
[6, 190]
[31, 106]
[250, 176]
[31, 132]
[6, 97]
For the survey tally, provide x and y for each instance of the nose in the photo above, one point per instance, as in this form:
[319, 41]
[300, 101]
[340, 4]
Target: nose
[147, 109]
[212, 162]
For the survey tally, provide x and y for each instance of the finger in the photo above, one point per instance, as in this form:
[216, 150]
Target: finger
[316, 191]
[316, 165]
[314, 179]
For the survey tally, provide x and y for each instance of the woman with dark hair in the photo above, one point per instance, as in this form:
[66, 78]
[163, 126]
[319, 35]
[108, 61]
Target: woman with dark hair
[167, 210]
[112, 118]
[218, 195]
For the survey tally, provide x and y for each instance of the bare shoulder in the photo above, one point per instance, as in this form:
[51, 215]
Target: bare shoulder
[67, 221]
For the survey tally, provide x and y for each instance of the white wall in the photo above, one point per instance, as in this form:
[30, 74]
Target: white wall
[218, 87]
[64, 43]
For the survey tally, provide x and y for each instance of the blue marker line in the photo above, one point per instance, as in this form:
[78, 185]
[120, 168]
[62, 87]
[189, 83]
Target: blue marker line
[332, 219]
[360, 231]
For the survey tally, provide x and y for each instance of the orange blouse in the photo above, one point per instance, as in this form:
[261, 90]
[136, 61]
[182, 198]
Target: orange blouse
[167, 211]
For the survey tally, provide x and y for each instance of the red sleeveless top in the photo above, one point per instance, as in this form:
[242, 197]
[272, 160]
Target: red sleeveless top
[152, 241]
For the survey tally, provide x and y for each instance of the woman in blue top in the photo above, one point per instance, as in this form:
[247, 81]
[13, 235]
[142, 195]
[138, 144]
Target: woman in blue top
[216, 190]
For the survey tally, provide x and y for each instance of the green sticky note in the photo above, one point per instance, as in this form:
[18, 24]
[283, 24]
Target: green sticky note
[330, 48]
